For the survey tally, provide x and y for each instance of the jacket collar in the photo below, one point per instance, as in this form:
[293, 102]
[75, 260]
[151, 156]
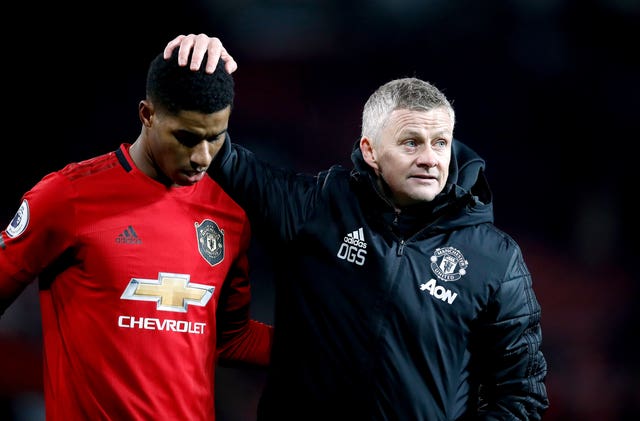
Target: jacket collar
[465, 200]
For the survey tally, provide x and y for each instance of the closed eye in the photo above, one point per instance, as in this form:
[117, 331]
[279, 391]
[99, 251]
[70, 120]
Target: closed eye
[187, 139]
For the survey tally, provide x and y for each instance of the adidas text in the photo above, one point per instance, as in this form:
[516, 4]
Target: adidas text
[353, 247]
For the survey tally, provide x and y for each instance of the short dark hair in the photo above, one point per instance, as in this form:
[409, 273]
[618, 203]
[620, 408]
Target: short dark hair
[176, 88]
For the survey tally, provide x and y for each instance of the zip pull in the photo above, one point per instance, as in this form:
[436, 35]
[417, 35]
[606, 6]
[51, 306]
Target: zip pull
[400, 248]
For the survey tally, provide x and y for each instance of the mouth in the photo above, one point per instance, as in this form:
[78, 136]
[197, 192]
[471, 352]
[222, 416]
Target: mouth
[423, 176]
[195, 176]
[195, 172]
[423, 180]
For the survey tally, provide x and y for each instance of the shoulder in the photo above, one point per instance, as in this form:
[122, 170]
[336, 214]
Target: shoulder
[332, 182]
[335, 174]
[57, 188]
[211, 194]
[89, 167]
[490, 248]
[505, 253]
[488, 238]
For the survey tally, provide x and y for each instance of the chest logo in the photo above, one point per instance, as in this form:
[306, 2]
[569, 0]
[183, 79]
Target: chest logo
[353, 248]
[448, 264]
[170, 292]
[210, 241]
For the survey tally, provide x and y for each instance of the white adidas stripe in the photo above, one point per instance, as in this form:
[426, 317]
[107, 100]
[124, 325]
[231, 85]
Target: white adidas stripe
[357, 234]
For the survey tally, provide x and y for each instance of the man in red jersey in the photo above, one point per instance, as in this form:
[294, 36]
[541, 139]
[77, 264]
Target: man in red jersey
[142, 263]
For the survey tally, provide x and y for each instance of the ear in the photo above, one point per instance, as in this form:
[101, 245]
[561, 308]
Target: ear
[368, 152]
[145, 112]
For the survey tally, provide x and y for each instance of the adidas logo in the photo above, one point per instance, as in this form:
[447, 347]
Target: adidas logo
[353, 248]
[356, 238]
[128, 236]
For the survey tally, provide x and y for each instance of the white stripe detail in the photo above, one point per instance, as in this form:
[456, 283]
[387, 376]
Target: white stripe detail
[357, 234]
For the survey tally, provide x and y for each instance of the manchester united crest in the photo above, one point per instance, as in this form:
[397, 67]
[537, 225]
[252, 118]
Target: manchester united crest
[448, 264]
[210, 241]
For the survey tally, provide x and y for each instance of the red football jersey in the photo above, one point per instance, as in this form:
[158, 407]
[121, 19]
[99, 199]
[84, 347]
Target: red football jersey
[133, 278]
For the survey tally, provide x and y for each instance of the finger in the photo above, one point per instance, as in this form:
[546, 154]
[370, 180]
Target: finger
[186, 44]
[229, 63]
[168, 50]
[214, 51]
[200, 43]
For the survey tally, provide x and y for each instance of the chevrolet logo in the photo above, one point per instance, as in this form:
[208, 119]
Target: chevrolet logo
[171, 292]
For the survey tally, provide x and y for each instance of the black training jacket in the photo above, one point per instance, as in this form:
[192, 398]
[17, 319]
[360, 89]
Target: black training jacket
[424, 315]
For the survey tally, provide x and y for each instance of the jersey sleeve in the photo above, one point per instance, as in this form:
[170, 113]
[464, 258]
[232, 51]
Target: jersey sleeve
[38, 234]
[241, 340]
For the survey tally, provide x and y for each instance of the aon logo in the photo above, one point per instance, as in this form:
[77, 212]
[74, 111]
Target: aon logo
[439, 291]
[352, 254]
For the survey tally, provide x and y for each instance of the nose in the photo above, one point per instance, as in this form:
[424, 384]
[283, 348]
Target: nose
[201, 155]
[427, 157]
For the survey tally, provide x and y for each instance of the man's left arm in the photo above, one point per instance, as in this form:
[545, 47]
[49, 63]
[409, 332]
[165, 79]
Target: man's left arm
[513, 368]
[241, 339]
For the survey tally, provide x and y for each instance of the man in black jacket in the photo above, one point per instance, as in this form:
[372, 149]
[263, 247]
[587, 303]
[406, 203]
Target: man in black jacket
[396, 296]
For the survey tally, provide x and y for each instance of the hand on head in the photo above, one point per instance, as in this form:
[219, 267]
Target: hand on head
[200, 44]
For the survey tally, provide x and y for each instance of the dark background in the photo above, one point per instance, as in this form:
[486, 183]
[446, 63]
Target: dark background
[546, 90]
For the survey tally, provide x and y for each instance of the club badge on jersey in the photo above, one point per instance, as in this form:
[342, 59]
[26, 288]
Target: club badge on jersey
[210, 241]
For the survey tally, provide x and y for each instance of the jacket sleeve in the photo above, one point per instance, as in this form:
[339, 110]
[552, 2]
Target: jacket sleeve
[512, 366]
[240, 340]
[275, 199]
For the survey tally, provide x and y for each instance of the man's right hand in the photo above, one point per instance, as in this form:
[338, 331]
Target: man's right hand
[200, 44]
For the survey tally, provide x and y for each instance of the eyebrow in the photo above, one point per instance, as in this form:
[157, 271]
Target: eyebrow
[222, 132]
[418, 133]
[192, 135]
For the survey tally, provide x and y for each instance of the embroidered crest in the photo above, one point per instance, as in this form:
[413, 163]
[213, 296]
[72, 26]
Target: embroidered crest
[20, 221]
[210, 241]
[448, 264]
